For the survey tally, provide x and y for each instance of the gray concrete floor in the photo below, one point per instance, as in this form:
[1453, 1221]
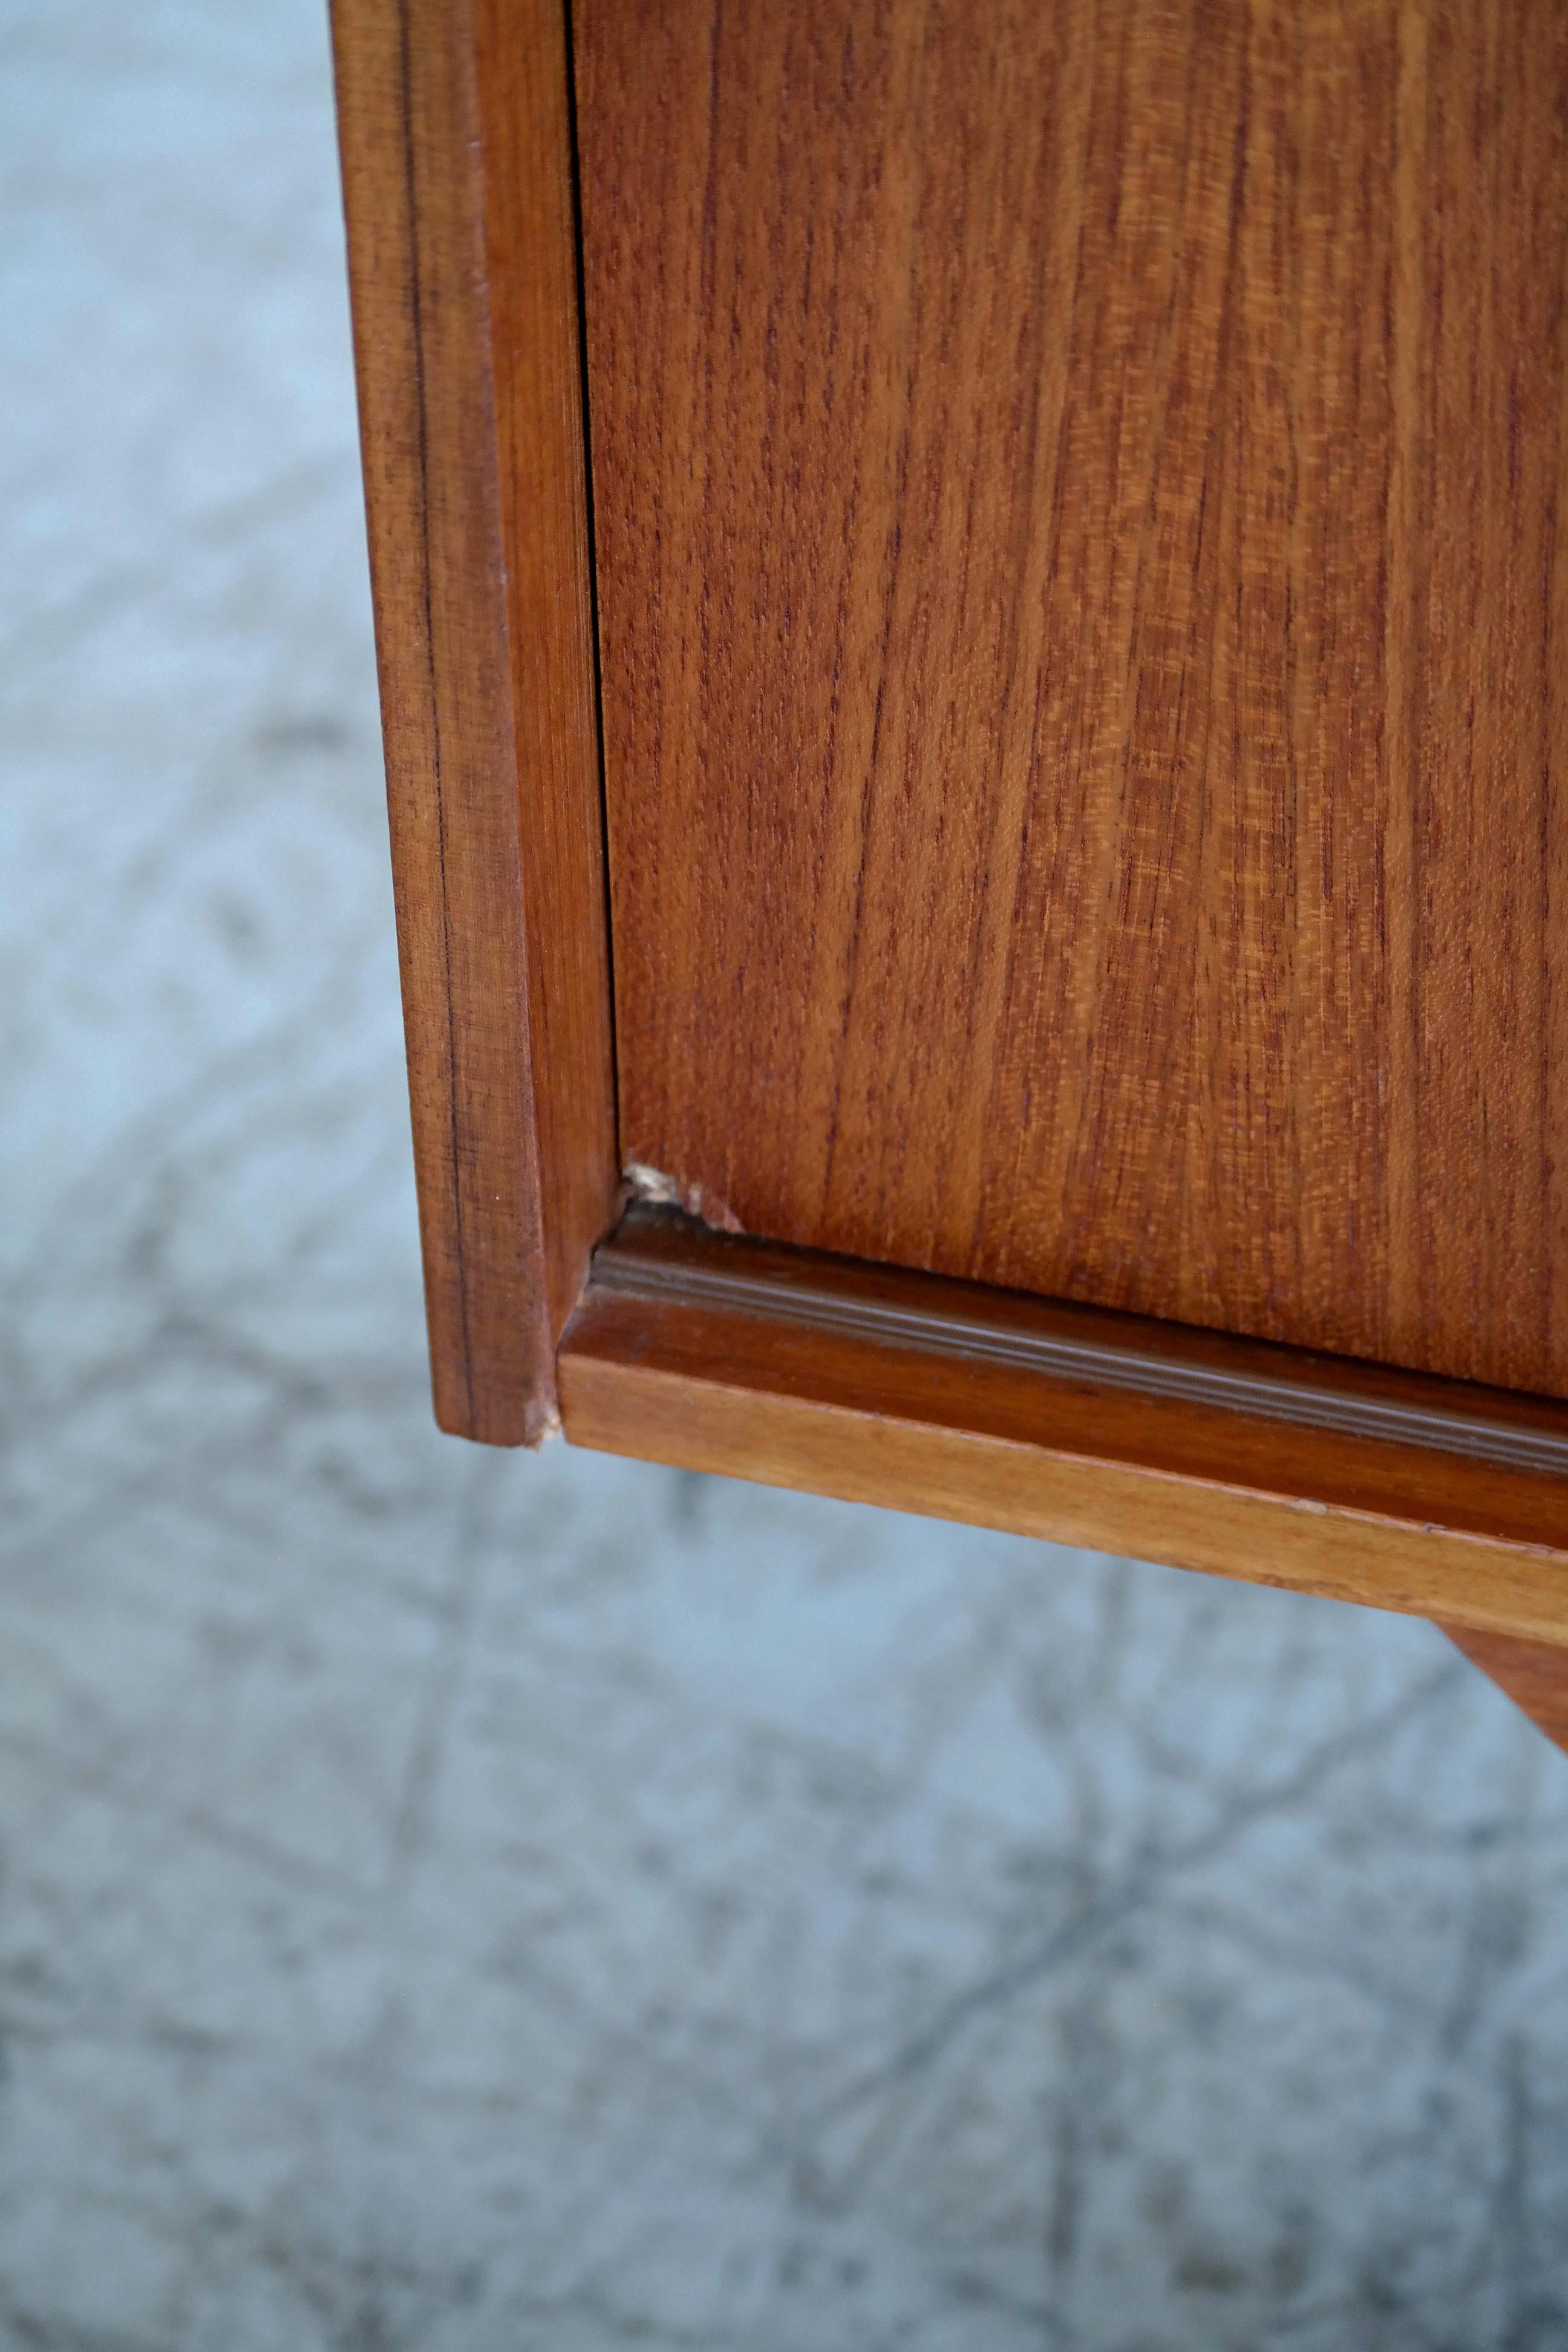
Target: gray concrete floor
[454, 1901]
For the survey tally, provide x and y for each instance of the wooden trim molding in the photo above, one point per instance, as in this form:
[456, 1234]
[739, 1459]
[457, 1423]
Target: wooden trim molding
[1243, 1459]
[455, 129]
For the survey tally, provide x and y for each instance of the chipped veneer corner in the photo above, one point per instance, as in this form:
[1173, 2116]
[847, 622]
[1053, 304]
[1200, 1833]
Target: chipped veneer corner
[651, 1184]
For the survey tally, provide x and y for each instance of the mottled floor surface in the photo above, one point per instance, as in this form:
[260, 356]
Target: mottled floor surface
[460, 1902]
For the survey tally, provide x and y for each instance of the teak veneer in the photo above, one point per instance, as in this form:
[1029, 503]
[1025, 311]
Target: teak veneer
[1003, 569]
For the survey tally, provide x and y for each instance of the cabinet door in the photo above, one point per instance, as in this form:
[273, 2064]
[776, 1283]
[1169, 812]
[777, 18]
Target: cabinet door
[1002, 566]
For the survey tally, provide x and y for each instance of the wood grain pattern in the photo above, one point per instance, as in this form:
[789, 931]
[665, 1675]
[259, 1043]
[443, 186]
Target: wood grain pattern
[1533, 1674]
[1084, 613]
[691, 1348]
[458, 188]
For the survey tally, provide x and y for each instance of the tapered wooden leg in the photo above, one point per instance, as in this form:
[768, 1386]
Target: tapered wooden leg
[1533, 1674]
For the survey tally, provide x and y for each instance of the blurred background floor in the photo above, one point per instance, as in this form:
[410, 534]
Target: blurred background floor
[455, 1901]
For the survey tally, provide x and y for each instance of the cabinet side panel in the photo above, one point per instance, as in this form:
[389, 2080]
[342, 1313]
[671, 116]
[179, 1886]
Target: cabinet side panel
[486, 683]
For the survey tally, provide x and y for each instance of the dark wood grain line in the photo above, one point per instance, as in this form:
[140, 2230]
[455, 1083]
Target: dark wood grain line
[604, 984]
[457, 194]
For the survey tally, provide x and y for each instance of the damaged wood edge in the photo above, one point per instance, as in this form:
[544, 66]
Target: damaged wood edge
[1088, 1428]
[455, 136]
[650, 1188]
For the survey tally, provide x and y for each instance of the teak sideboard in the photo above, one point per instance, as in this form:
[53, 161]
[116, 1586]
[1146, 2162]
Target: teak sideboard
[972, 601]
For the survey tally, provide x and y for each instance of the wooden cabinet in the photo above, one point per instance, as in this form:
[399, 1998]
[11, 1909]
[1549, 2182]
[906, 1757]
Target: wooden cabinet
[973, 615]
